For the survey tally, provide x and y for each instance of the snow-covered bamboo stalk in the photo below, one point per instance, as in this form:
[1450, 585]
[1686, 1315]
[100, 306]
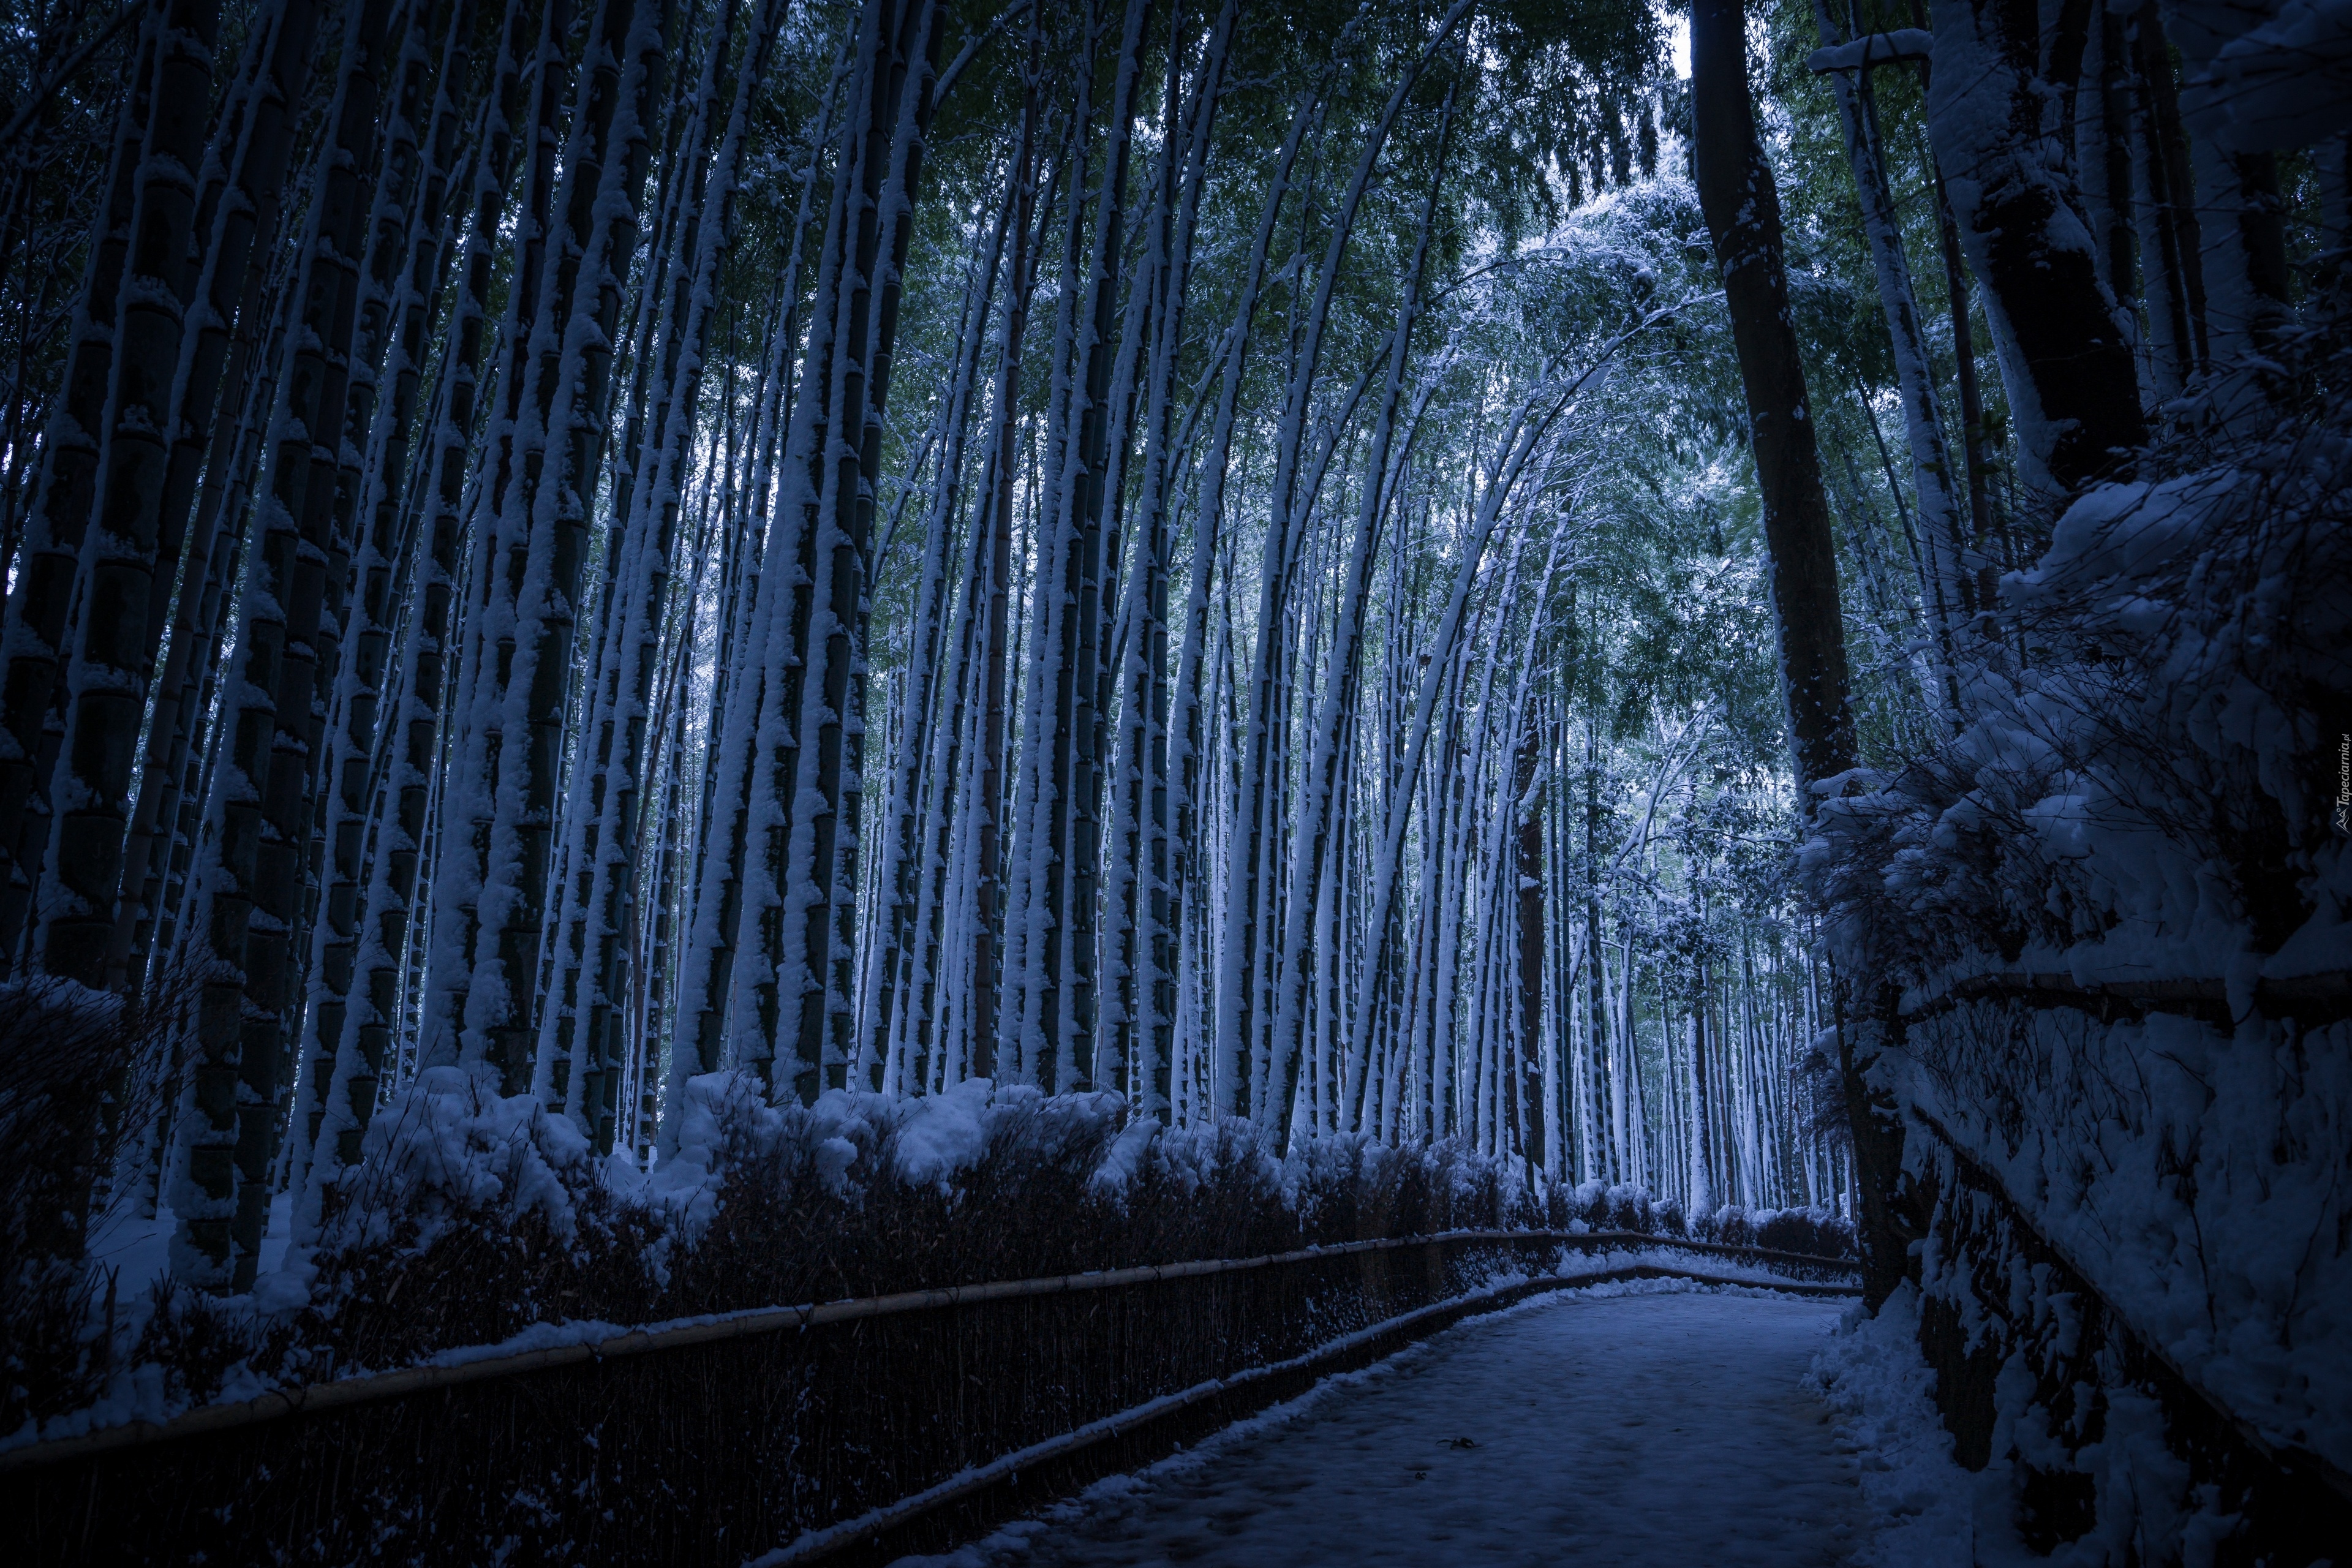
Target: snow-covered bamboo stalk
[412, 741]
[1312, 839]
[1144, 921]
[1109, 607]
[974, 1044]
[1240, 966]
[616, 727]
[762, 567]
[943, 818]
[1531, 423]
[34, 623]
[1027, 1000]
[733, 991]
[1537, 1063]
[105, 675]
[1948, 590]
[231, 475]
[897, 872]
[417, 226]
[648, 349]
[1057, 1020]
[1188, 729]
[245, 181]
[531, 615]
[491, 537]
[816, 869]
[250, 876]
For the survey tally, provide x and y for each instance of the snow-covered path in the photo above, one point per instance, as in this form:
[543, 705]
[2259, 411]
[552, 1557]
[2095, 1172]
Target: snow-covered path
[1662, 1430]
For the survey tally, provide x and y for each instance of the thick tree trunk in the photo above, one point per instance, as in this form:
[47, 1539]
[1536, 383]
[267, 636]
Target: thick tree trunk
[33, 625]
[105, 681]
[2103, 120]
[2066, 357]
[2165, 212]
[253, 875]
[1743, 215]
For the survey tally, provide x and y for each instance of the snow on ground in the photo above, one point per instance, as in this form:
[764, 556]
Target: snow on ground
[1655, 1424]
[140, 1249]
[1923, 1510]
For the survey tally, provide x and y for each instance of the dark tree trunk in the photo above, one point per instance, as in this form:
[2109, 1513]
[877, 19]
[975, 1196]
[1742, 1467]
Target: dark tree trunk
[2169, 211]
[2112, 213]
[1743, 215]
[2066, 357]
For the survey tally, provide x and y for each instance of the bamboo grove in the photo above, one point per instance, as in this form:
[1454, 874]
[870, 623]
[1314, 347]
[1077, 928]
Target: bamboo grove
[592, 542]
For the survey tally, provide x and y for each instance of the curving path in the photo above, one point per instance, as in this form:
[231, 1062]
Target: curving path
[1656, 1429]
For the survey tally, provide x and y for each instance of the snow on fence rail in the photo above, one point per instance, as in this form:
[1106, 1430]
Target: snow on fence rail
[1963, 1179]
[2315, 998]
[820, 1425]
[2040, 1374]
[2091, 1193]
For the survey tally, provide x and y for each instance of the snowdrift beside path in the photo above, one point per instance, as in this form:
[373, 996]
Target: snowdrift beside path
[1923, 1509]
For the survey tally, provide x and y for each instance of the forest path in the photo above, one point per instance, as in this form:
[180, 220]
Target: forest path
[1657, 1429]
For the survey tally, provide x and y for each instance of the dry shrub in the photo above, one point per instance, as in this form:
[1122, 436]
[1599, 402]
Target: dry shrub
[441, 1239]
[78, 1081]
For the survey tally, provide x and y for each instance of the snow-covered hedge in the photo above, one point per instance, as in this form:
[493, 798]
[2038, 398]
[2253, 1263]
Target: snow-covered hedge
[72, 1109]
[472, 1219]
[2110, 925]
[2149, 790]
